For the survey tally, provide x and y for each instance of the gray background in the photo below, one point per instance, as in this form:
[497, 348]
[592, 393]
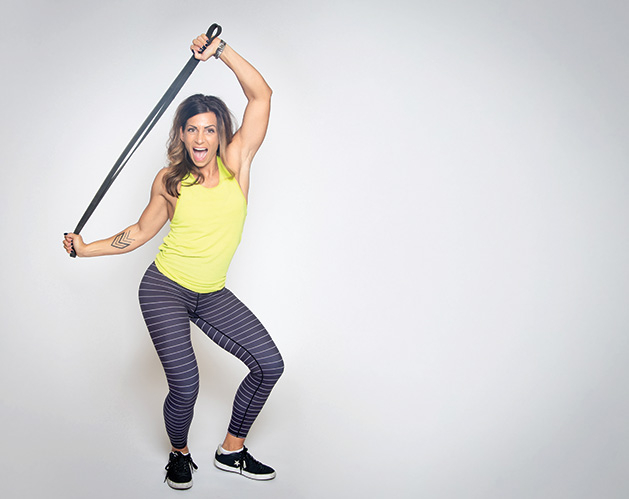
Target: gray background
[437, 240]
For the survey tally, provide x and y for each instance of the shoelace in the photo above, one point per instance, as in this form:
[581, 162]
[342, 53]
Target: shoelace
[250, 460]
[180, 464]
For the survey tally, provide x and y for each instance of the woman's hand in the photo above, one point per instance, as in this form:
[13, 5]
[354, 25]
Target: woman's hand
[199, 42]
[74, 242]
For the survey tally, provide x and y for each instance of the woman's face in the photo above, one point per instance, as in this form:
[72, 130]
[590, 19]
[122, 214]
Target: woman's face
[200, 138]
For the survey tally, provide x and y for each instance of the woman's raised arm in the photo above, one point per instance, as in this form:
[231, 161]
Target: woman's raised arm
[249, 137]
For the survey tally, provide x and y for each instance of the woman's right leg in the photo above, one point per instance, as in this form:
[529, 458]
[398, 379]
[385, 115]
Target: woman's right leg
[164, 306]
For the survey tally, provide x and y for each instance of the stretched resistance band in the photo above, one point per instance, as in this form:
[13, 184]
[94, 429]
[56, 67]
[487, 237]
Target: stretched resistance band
[144, 129]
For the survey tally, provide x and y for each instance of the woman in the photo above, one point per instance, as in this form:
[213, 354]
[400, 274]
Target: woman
[203, 192]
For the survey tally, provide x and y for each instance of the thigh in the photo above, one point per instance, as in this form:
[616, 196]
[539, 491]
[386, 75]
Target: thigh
[230, 324]
[166, 313]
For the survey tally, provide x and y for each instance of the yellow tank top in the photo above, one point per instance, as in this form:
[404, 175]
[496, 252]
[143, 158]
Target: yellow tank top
[204, 233]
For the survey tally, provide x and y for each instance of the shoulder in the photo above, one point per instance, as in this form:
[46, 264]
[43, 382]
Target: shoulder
[159, 184]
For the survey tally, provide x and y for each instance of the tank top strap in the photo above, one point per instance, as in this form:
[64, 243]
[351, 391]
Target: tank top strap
[223, 171]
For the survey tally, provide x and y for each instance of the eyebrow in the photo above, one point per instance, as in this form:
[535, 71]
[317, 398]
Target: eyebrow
[207, 126]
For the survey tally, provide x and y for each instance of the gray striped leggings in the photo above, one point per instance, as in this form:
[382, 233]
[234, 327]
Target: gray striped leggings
[168, 309]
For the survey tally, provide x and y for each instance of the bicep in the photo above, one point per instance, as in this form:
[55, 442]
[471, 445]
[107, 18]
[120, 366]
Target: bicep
[255, 122]
[155, 215]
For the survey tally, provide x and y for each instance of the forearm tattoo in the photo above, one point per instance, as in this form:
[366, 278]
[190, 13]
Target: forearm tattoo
[122, 240]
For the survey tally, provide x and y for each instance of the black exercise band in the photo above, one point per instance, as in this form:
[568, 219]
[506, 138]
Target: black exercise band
[144, 129]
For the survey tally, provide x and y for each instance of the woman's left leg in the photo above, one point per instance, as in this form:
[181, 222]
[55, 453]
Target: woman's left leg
[233, 327]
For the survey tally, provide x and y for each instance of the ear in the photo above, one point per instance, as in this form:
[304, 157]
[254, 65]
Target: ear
[181, 134]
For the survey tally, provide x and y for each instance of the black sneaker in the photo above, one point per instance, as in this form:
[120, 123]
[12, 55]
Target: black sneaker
[242, 462]
[179, 471]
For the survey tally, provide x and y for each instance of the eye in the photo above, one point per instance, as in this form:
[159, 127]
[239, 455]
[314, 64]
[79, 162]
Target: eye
[210, 130]
[190, 129]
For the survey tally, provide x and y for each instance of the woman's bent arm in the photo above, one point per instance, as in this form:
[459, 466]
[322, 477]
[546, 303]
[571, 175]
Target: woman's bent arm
[152, 220]
[249, 137]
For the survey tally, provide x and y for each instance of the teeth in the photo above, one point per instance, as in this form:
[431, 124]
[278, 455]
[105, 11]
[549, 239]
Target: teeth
[199, 153]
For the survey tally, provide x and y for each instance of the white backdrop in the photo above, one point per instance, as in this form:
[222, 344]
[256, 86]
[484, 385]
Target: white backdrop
[437, 240]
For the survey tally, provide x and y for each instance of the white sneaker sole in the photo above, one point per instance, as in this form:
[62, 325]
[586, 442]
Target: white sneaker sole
[245, 473]
[178, 486]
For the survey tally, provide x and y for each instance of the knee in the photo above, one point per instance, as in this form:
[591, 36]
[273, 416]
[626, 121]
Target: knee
[183, 396]
[273, 370]
[280, 367]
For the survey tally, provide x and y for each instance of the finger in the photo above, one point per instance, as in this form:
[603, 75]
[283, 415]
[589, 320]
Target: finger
[199, 44]
[207, 43]
[197, 49]
[200, 40]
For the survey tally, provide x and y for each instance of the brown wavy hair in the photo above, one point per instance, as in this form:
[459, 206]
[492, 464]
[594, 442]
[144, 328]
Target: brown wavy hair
[179, 162]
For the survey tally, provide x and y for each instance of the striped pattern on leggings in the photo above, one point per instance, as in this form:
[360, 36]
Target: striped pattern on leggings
[168, 309]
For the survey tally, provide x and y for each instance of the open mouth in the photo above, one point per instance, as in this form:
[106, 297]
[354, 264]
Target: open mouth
[199, 154]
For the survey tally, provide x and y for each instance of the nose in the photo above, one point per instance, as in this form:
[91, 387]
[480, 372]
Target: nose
[199, 137]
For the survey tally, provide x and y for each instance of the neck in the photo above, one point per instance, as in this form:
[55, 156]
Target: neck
[211, 168]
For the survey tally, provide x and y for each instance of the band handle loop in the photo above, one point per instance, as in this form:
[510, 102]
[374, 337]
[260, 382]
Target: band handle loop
[211, 35]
